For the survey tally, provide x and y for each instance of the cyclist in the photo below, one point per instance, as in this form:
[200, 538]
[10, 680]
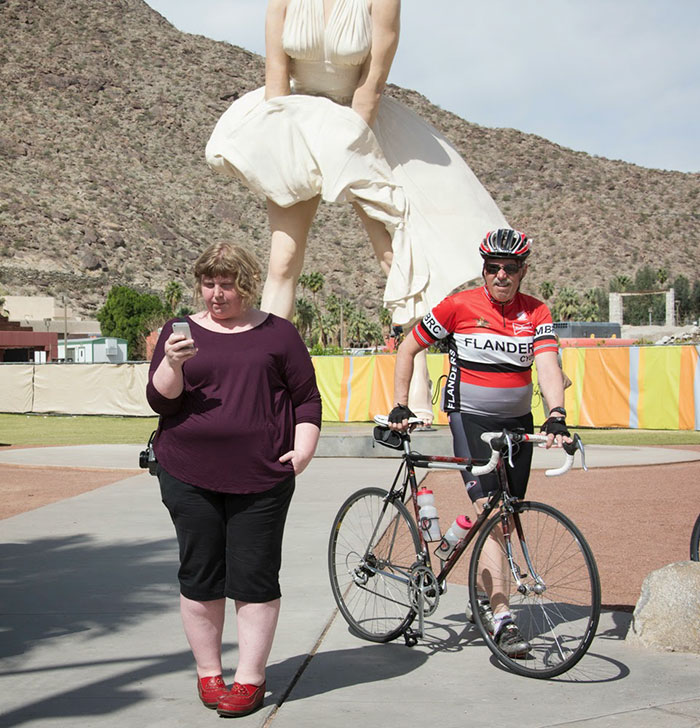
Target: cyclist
[494, 334]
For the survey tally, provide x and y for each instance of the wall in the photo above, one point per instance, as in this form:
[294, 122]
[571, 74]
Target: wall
[31, 307]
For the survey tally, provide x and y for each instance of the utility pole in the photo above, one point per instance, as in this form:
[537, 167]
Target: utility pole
[65, 329]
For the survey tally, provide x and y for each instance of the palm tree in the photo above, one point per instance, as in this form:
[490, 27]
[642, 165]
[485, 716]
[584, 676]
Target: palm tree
[172, 295]
[546, 289]
[304, 316]
[374, 334]
[619, 283]
[332, 318]
[385, 322]
[567, 305]
[589, 310]
[313, 282]
[355, 325]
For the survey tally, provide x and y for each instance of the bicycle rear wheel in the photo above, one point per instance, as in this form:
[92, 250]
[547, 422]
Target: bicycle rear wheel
[555, 599]
[373, 545]
[695, 541]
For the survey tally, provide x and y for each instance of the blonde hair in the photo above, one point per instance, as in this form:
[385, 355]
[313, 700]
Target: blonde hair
[229, 261]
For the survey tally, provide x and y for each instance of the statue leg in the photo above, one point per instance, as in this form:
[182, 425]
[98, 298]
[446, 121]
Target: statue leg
[289, 227]
[378, 236]
[419, 393]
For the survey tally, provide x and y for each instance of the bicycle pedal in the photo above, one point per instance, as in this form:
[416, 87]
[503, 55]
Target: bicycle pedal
[410, 637]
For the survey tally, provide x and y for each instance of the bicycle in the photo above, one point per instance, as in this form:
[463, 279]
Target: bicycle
[382, 578]
[695, 541]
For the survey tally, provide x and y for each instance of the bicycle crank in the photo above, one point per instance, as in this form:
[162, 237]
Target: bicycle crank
[423, 590]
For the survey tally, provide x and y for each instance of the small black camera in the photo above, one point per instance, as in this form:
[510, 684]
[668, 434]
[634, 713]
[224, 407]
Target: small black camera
[147, 457]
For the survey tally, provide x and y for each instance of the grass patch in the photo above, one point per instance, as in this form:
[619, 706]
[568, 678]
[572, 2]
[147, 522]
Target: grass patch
[638, 438]
[74, 430]
[77, 430]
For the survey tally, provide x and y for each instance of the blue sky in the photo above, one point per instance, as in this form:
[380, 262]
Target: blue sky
[615, 78]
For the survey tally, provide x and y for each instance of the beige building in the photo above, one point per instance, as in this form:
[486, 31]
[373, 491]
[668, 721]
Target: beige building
[46, 314]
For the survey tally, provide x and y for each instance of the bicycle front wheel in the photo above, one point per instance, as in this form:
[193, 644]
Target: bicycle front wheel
[545, 572]
[374, 543]
[695, 541]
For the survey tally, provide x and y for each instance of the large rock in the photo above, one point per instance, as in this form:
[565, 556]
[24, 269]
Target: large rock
[667, 615]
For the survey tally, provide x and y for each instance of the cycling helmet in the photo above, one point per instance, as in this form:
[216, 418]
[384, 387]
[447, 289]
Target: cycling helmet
[505, 243]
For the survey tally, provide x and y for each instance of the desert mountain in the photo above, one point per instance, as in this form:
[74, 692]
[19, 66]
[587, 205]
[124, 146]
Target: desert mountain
[105, 112]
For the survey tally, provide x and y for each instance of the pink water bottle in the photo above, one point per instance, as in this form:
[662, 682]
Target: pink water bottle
[428, 515]
[457, 531]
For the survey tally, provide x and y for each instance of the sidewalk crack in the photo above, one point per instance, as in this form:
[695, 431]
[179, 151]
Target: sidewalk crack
[301, 670]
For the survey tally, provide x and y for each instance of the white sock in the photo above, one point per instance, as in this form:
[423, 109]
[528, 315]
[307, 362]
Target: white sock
[499, 619]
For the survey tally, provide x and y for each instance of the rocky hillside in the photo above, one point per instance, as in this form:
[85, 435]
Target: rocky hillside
[105, 112]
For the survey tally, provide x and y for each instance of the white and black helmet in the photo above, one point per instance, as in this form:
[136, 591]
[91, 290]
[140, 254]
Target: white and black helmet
[505, 243]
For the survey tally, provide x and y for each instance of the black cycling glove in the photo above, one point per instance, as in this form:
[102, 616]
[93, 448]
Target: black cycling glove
[399, 414]
[555, 426]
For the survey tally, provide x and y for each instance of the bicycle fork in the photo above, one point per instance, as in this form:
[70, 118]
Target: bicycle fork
[538, 587]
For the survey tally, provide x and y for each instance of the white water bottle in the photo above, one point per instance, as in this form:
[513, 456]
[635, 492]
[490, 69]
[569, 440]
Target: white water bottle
[458, 530]
[428, 515]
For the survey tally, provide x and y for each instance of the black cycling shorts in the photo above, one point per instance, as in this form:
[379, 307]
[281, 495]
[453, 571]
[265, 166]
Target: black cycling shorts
[230, 544]
[466, 438]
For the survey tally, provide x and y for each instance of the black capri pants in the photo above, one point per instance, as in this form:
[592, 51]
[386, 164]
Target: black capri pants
[230, 543]
[466, 437]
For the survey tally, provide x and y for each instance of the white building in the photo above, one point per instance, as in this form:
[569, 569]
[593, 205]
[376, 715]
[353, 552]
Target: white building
[91, 351]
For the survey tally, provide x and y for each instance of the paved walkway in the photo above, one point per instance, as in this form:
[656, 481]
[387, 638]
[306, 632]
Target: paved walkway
[91, 633]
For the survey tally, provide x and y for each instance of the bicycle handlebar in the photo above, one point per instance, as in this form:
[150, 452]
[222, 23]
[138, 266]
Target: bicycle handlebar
[384, 420]
[499, 441]
[502, 440]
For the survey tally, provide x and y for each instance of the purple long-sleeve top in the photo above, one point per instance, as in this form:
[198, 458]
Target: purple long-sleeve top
[244, 394]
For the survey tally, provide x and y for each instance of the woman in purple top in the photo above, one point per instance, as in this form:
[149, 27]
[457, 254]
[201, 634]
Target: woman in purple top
[240, 418]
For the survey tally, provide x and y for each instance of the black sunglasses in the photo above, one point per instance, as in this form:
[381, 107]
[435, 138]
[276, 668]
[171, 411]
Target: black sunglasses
[509, 268]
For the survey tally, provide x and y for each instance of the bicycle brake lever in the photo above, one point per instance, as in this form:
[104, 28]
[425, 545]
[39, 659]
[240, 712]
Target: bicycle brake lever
[579, 446]
[571, 448]
[510, 449]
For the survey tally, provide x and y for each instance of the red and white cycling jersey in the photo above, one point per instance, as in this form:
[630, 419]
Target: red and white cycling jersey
[492, 347]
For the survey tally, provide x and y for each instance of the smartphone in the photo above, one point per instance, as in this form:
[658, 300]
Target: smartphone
[182, 327]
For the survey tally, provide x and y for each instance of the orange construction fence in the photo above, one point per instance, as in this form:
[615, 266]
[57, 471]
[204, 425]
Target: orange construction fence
[648, 387]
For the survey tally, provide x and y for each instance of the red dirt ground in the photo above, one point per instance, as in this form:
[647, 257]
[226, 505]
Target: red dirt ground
[25, 487]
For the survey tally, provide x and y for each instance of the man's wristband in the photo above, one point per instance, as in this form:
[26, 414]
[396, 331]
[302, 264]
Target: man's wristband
[559, 410]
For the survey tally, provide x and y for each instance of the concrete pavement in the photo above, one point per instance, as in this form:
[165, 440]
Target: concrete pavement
[91, 632]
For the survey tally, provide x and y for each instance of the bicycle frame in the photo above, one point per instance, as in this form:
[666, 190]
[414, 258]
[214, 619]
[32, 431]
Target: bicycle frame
[411, 461]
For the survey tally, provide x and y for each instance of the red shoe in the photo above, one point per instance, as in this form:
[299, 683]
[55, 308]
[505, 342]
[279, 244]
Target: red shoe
[211, 689]
[241, 700]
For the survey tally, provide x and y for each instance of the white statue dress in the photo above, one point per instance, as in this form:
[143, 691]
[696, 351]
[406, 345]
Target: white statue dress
[401, 171]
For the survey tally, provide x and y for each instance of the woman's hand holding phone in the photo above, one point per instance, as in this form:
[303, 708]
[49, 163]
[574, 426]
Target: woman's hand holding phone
[180, 346]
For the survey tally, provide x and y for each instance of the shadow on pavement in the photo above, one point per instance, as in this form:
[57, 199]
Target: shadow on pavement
[338, 669]
[98, 696]
[53, 587]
